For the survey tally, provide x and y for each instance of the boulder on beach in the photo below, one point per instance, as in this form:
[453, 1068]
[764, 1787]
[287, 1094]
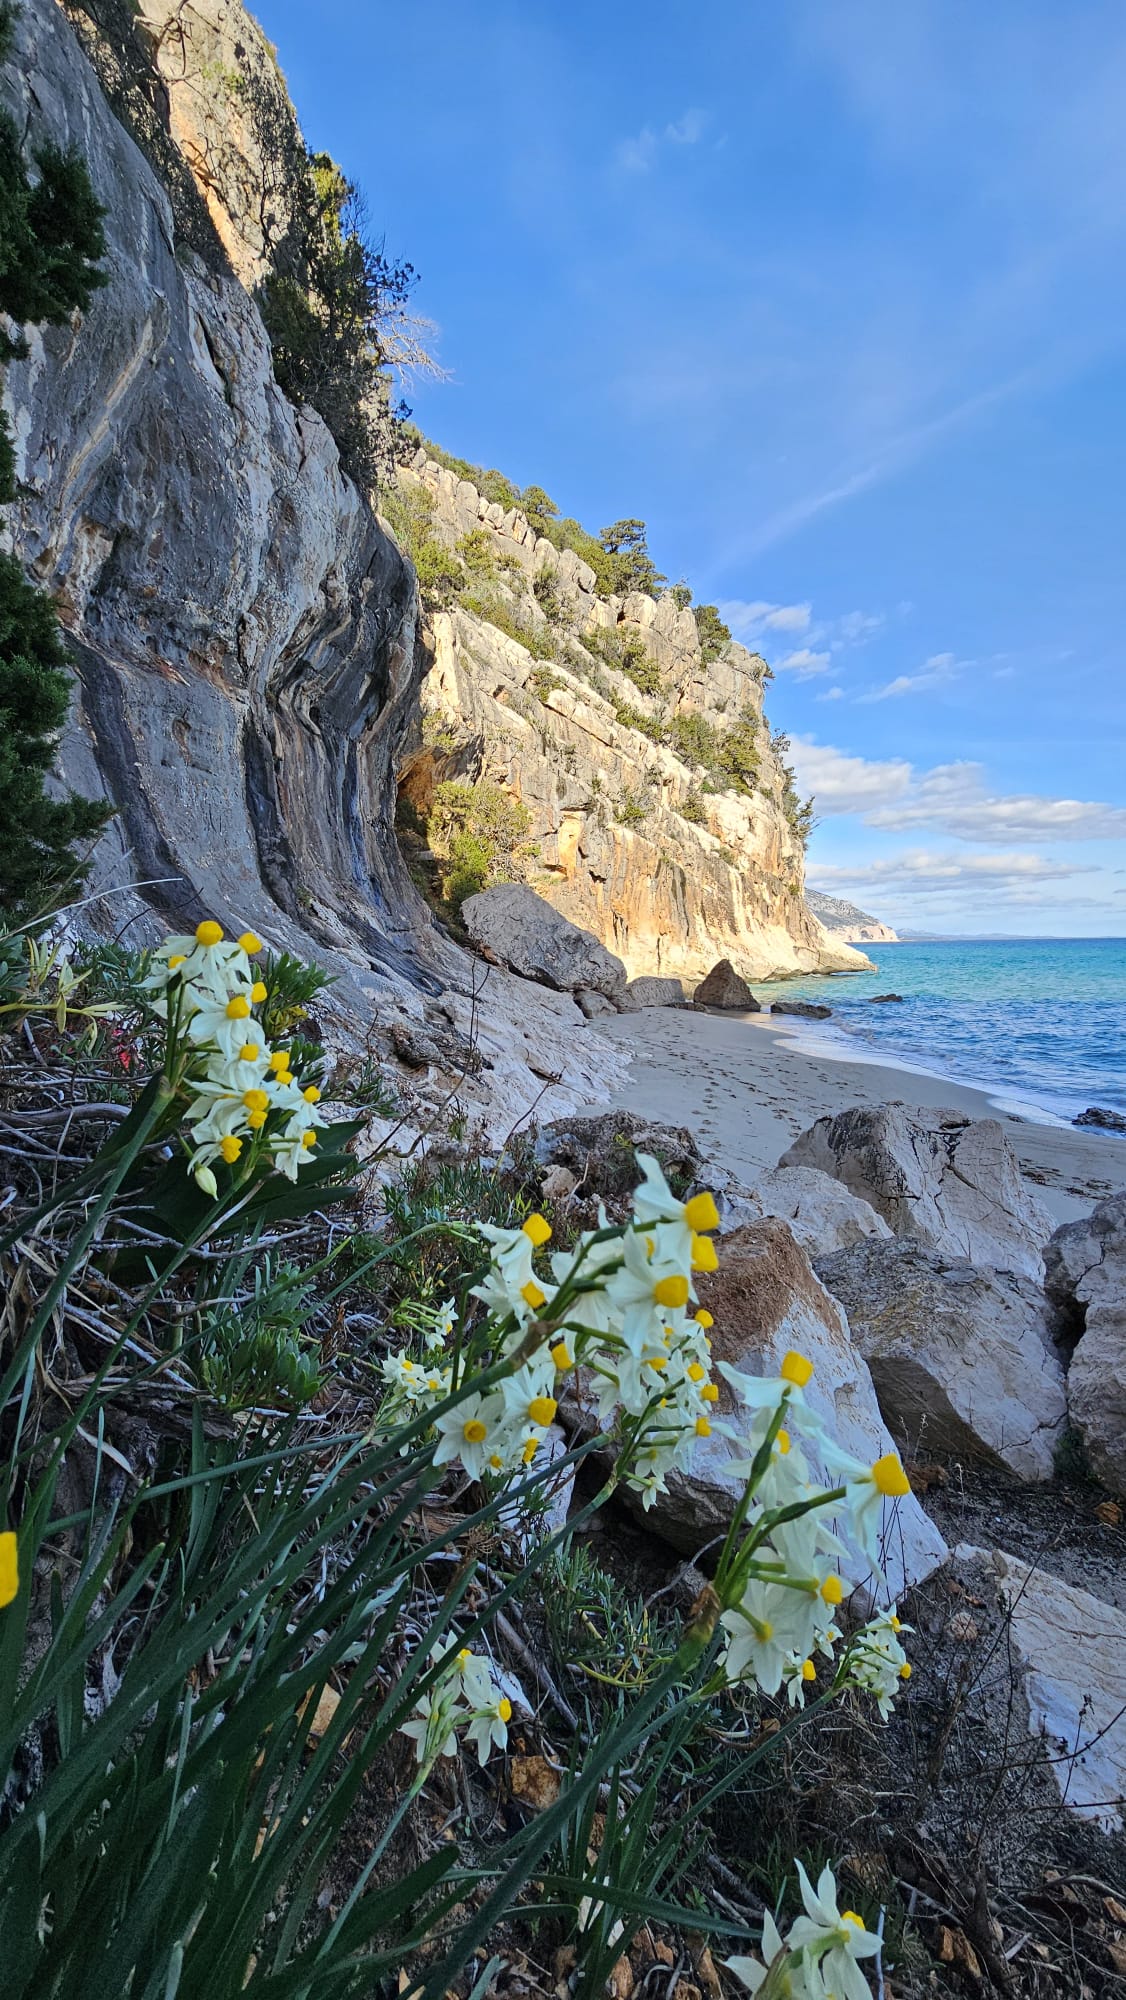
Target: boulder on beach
[1085, 1279]
[724, 987]
[533, 939]
[1103, 1120]
[823, 1215]
[651, 991]
[806, 1010]
[952, 1182]
[962, 1359]
[766, 1298]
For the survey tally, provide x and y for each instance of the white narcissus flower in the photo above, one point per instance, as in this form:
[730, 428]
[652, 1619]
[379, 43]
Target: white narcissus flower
[866, 1489]
[877, 1662]
[511, 1284]
[227, 1022]
[753, 1974]
[432, 1726]
[489, 1728]
[832, 1939]
[470, 1433]
[437, 1336]
[766, 1392]
[686, 1222]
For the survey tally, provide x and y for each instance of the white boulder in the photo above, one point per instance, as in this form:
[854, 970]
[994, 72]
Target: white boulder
[962, 1359]
[951, 1182]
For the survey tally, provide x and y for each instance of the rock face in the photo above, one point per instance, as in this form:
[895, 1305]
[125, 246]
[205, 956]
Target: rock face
[1085, 1279]
[534, 940]
[765, 1298]
[961, 1358]
[950, 1182]
[822, 1215]
[634, 843]
[844, 920]
[245, 634]
[1072, 1649]
[723, 987]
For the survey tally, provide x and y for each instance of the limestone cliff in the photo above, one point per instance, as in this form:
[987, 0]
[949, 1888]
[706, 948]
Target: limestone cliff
[844, 920]
[244, 632]
[671, 866]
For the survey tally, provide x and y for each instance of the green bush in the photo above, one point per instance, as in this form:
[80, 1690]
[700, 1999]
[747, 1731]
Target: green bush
[410, 514]
[477, 551]
[549, 597]
[542, 682]
[631, 566]
[635, 806]
[693, 809]
[711, 631]
[480, 835]
[800, 814]
[490, 606]
[326, 307]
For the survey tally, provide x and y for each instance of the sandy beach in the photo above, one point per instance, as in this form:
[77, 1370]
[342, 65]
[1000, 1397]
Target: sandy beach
[747, 1084]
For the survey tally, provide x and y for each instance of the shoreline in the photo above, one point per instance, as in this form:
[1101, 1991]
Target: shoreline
[747, 1084]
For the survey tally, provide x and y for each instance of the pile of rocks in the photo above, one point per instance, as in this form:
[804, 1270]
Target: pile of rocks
[901, 1250]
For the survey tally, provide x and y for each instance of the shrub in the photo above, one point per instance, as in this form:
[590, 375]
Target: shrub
[410, 514]
[542, 681]
[695, 739]
[490, 606]
[549, 597]
[635, 806]
[631, 566]
[479, 833]
[729, 756]
[326, 308]
[627, 654]
[639, 719]
[477, 551]
[711, 631]
[800, 814]
[693, 809]
[739, 756]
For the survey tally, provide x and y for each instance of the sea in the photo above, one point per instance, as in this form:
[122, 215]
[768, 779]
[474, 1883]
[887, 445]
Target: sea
[1040, 1023]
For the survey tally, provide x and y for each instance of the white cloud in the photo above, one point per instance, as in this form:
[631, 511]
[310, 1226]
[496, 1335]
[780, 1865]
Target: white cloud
[749, 622]
[952, 798]
[938, 671]
[844, 784]
[638, 155]
[952, 888]
[831, 694]
[804, 663]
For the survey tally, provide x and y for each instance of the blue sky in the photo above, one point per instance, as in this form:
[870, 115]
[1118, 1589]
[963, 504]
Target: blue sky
[833, 294]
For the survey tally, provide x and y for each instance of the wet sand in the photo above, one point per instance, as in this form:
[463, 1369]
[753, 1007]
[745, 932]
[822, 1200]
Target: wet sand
[747, 1084]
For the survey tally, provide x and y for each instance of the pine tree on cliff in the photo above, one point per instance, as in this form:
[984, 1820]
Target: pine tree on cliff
[50, 242]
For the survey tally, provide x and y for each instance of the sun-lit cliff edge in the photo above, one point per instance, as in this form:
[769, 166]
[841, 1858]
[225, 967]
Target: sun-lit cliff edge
[671, 864]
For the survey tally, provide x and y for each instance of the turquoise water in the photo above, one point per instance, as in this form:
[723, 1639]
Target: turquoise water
[1041, 1021]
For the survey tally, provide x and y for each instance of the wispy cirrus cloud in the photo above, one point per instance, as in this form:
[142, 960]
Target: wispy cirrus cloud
[937, 671]
[759, 623]
[638, 155]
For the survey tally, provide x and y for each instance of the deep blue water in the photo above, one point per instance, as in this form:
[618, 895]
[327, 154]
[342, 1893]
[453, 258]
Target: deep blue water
[1042, 1021]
